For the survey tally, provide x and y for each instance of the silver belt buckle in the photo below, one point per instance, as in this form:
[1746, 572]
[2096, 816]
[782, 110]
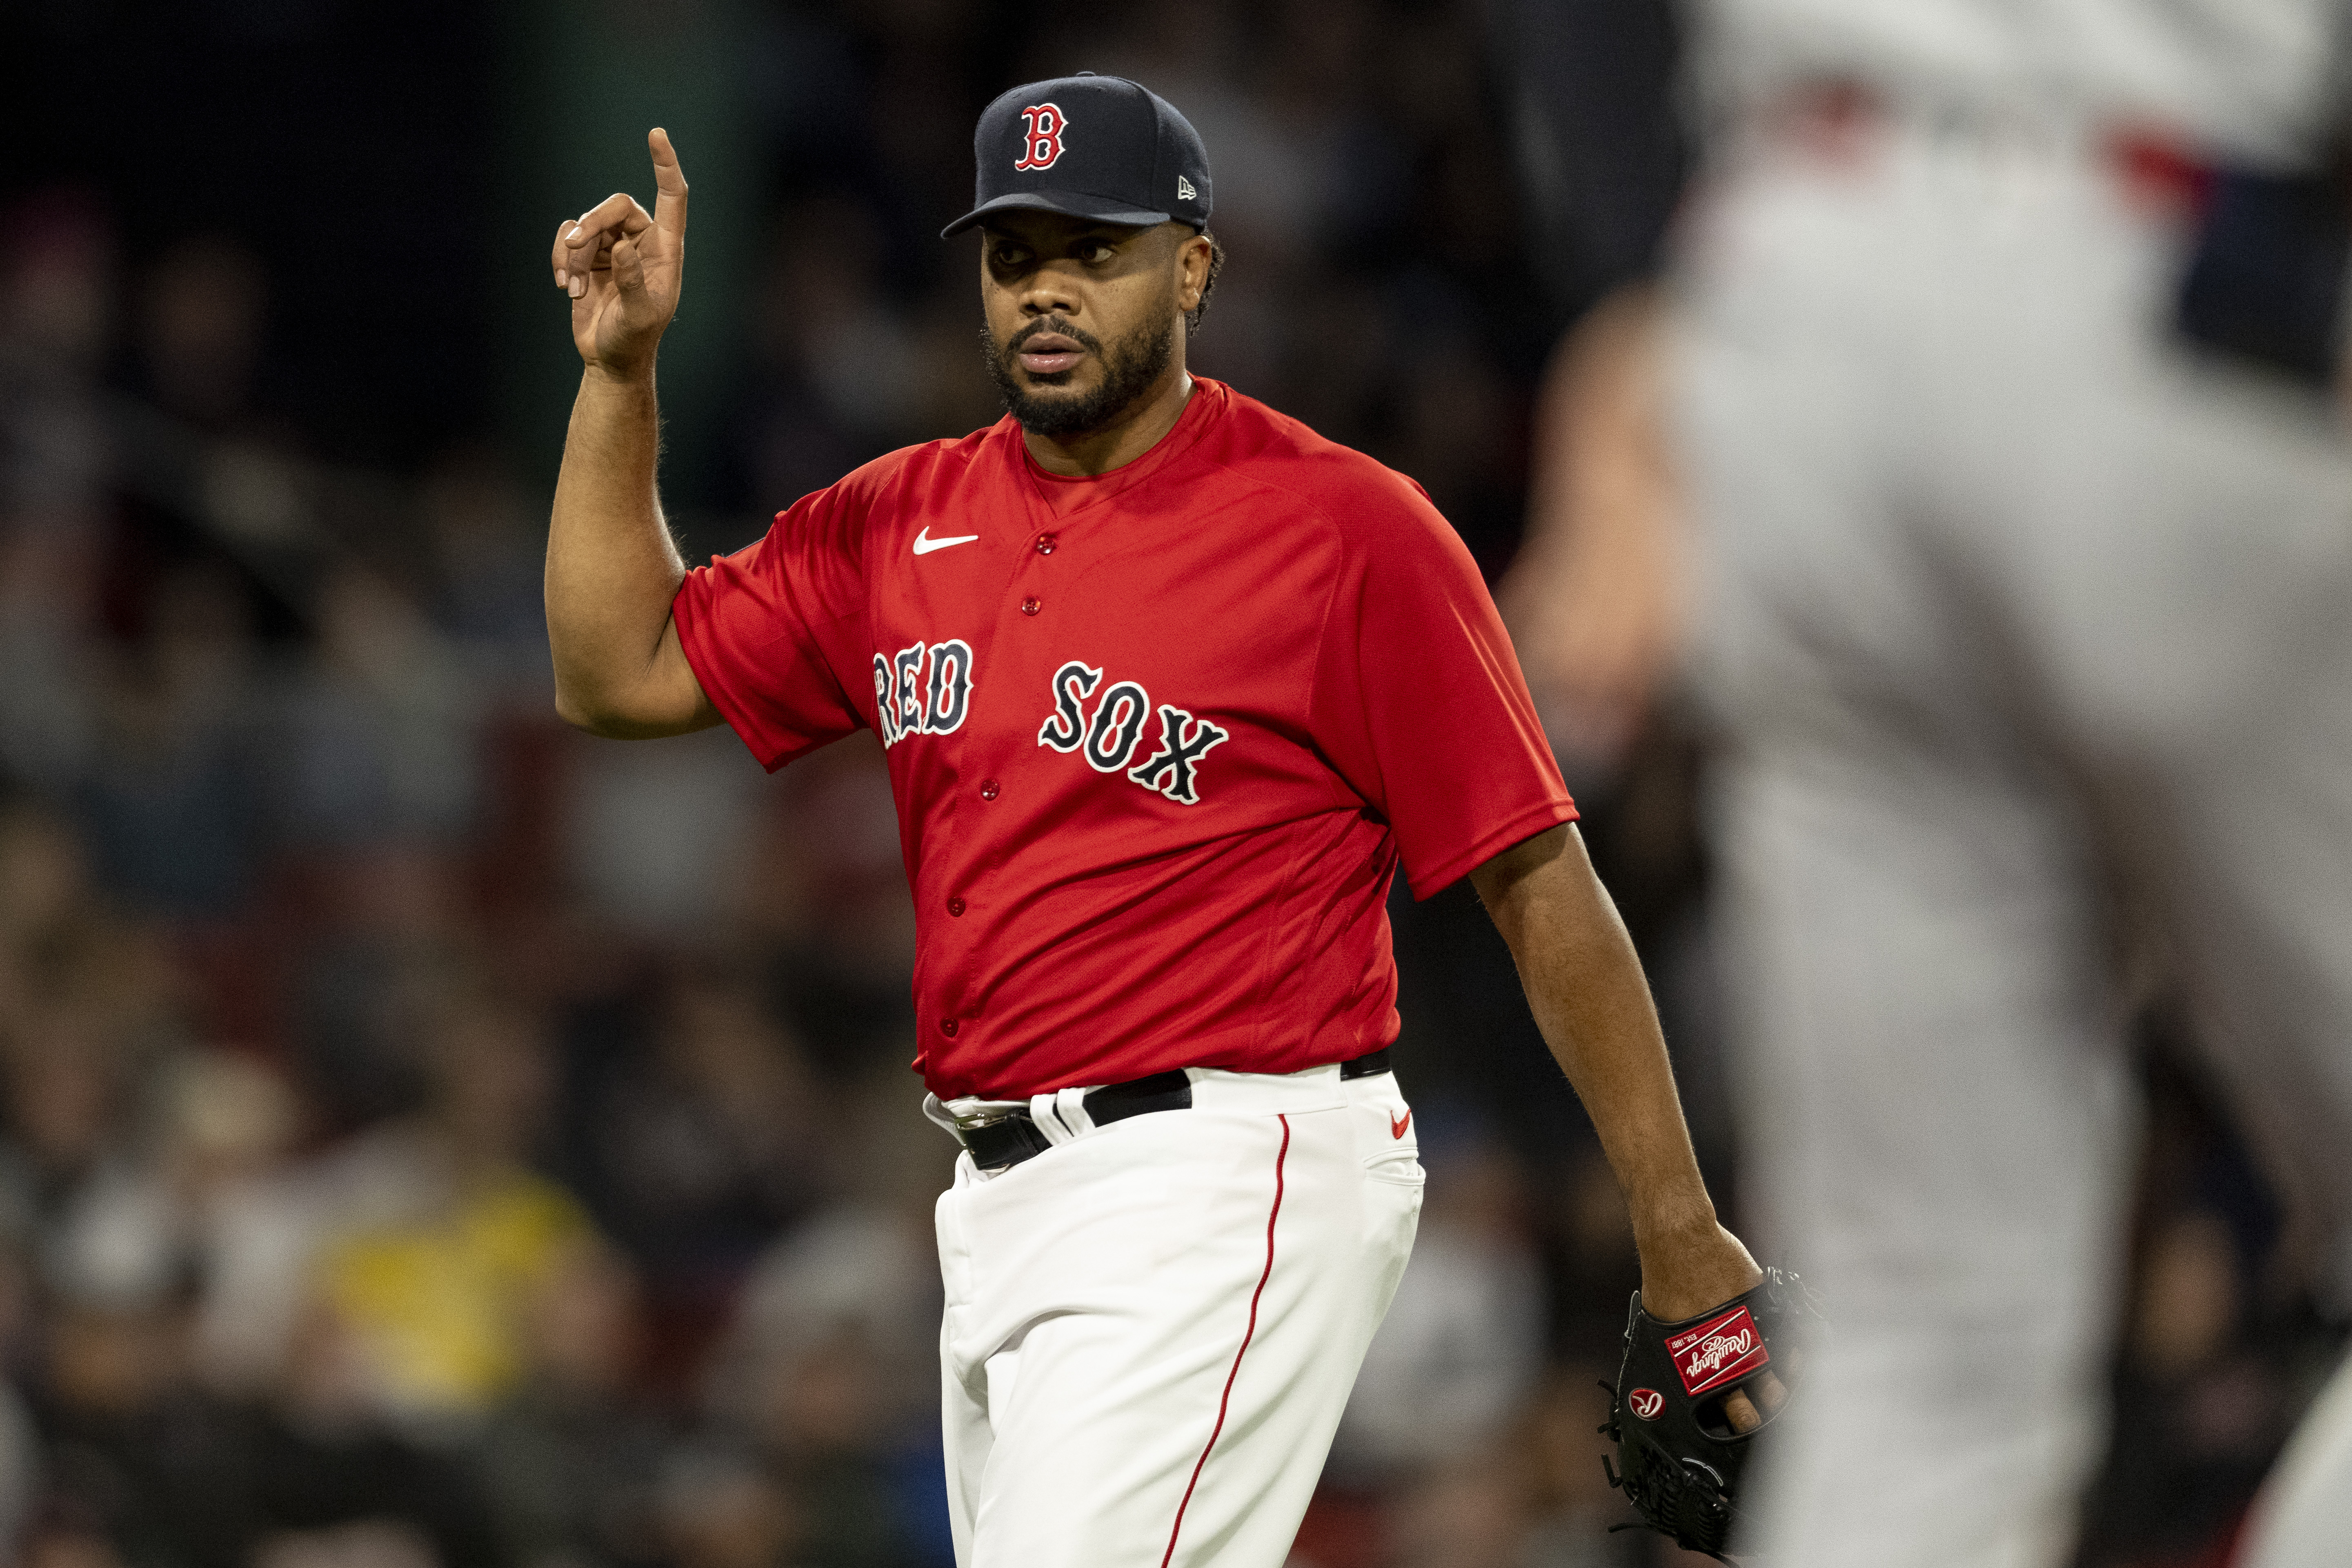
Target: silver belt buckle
[988, 1114]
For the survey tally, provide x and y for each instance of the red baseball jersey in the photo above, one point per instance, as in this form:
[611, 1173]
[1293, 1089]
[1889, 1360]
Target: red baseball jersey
[1159, 739]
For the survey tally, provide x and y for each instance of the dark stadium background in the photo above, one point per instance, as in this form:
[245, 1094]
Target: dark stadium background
[428, 1137]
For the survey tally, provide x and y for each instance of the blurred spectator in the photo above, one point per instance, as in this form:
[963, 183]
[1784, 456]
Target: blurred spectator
[234, 1120]
[856, 1285]
[45, 899]
[1465, 1337]
[378, 937]
[836, 352]
[487, 542]
[56, 328]
[709, 1142]
[204, 310]
[2201, 1410]
[572, 1456]
[337, 1488]
[825, 894]
[652, 833]
[832, 1362]
[1569, 1502]
[48, 716]
[1470, 1512]
[1530, 1493]
[170, 1203]
[146, 1461]
[1595, 602]
[22, 1459]
[81, 1183]
[863, 1267]
[61, 303]
[152, 1464]
[170, 796]
[2217, 1358]
[378, 738]
[829, 1435]
[1457, 432]
[720, 1509]
[454, 1232]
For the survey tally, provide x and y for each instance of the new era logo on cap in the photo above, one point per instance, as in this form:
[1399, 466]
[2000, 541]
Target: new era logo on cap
[1094, 147]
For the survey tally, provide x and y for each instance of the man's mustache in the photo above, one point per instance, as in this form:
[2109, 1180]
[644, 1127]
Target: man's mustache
[1045, 324]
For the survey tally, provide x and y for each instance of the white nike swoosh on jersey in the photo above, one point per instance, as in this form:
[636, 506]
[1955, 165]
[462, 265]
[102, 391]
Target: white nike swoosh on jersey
[925, 543]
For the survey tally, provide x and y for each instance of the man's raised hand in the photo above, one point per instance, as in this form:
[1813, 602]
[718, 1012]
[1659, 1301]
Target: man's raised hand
[623, 268]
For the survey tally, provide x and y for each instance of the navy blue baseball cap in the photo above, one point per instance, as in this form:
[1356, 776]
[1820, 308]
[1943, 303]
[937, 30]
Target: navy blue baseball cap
[1095, 147]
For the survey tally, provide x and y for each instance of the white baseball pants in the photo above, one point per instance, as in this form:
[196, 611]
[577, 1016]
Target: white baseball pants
[1151, 1328]
[2028, 637]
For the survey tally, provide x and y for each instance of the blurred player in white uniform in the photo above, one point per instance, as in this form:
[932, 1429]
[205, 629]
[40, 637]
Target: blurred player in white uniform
[2029, 631]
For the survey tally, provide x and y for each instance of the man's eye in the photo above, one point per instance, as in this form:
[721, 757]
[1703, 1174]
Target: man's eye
[1095, 252]
[1009, 256]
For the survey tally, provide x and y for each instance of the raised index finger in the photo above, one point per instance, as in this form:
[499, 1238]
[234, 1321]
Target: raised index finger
[669, 200]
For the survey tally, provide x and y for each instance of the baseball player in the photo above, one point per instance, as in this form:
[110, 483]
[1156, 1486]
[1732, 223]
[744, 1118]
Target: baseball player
[2027, 629]
[1169, 687]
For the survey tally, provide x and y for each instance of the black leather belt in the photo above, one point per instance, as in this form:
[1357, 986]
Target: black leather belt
[1015, 1136]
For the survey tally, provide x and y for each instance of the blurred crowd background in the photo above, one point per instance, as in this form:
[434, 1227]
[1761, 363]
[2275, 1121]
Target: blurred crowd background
[432, 1139]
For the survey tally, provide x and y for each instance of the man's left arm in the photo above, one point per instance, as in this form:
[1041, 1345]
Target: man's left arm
[1590, 999]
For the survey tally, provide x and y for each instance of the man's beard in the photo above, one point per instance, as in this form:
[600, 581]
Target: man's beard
[1129, 367]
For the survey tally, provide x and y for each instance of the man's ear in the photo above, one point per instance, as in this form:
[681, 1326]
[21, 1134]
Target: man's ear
[1192, 268]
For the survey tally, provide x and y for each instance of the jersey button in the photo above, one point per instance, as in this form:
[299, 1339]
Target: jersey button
[1030, 606]
[955, 906]
[988, 789]
[948, 1027]
[1044, 544]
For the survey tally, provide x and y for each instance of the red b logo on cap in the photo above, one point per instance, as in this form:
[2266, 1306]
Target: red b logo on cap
[1044, 142]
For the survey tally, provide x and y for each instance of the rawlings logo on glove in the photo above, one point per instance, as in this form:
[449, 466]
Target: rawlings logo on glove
[1716, 1352]
[1680, 1454]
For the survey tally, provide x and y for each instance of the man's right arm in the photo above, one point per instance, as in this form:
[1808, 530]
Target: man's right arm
[612, 567]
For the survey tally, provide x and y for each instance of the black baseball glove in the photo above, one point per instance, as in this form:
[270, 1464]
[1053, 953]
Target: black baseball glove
[1679, 1454]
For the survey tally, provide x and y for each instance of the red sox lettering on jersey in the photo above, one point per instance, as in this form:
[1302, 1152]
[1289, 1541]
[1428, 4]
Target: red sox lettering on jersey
[1157, 739]
[925, 690]
[1111, 735]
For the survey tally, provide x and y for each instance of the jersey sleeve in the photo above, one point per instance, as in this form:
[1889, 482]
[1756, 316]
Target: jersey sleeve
[1419, 702]
[766, 628]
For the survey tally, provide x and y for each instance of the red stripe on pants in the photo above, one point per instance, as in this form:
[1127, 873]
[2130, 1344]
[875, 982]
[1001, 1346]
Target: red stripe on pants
[1250, 1333]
